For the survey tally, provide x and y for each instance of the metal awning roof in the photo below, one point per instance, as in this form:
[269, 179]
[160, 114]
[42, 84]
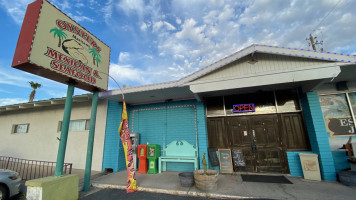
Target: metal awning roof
[44, 103]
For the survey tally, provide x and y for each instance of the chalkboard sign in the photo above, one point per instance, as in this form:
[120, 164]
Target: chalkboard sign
[238, 160]
[225, 161]
[213, 157]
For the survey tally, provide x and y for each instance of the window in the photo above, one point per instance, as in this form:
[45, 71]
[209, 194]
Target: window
[353, 101]
[76, 125]
[287, 100]
[215, 105]
[20, 128]
[264, 102]
[337, 114]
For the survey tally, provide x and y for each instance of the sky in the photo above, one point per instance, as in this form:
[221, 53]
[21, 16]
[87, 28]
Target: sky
[156, 41]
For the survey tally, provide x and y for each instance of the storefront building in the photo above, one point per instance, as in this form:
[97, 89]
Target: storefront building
[270, 103]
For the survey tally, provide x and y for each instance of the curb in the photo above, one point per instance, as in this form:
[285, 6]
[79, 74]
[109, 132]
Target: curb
[173, 192]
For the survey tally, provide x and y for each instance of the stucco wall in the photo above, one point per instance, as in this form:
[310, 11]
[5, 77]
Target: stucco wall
[159, 123]
[40, 143]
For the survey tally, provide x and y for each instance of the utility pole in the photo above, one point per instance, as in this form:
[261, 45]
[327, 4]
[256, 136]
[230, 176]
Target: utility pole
[312, 41]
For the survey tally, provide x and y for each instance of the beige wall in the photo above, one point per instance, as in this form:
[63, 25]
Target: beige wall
[40, 143]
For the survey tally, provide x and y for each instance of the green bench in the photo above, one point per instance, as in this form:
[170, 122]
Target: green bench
[178, 151]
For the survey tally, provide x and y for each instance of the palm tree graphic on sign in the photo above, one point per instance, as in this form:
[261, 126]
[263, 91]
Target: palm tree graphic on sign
[61, 35]
[96, 56]
[97, 59]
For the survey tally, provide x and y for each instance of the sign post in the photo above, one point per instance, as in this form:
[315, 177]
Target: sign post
[88, 163]
[64, 131]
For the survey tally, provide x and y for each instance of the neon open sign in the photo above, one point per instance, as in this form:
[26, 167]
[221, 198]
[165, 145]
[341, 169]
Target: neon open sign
[238, 108]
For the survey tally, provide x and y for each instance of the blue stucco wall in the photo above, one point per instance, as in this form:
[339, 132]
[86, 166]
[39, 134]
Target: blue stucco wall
[112, 143]
[202, 133]
[317, 134]
[160, 123]
[340, 160]
[295, 167]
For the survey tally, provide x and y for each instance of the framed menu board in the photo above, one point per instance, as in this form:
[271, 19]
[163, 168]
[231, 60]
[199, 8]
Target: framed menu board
[225, 161]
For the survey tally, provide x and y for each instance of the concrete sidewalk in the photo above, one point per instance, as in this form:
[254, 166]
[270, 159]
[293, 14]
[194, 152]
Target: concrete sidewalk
[232, 186]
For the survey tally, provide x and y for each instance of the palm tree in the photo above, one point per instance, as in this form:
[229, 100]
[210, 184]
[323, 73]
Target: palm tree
[97, 59]
[34, 86]
[61, 35]
[95, 54]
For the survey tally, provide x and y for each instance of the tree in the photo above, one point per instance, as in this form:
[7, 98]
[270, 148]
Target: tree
[95, 54]
[34, 86]
[58, 32]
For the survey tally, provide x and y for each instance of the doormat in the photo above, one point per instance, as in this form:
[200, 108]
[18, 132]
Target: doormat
[265, 179]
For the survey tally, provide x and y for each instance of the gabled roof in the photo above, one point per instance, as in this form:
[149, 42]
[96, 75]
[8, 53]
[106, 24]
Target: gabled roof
[294, 52]
[255, 48]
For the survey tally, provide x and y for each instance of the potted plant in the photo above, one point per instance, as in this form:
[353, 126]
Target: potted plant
[206, 179]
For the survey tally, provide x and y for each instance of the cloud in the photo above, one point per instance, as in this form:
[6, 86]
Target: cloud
[79, 5]
[16, 9]
[162, 25]
[144, 26]
[124, 57]
[81, 18]
[126, 74]
[19, 79]
[10, 101]
[107, 10]
[132, 7]
[191, 32]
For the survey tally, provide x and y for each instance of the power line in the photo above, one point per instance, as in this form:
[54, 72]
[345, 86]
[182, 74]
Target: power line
[311, 38]
[326, 16]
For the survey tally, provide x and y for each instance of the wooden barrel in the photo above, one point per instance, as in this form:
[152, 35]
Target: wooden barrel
[206, 182]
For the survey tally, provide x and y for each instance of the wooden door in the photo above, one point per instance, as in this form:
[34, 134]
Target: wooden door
[259, 140]
[241, 138]
[269, 154]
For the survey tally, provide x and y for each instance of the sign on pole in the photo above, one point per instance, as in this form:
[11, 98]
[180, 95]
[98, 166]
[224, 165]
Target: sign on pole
[54, 46]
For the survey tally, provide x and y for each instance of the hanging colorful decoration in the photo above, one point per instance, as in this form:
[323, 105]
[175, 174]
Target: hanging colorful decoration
[124, 132]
